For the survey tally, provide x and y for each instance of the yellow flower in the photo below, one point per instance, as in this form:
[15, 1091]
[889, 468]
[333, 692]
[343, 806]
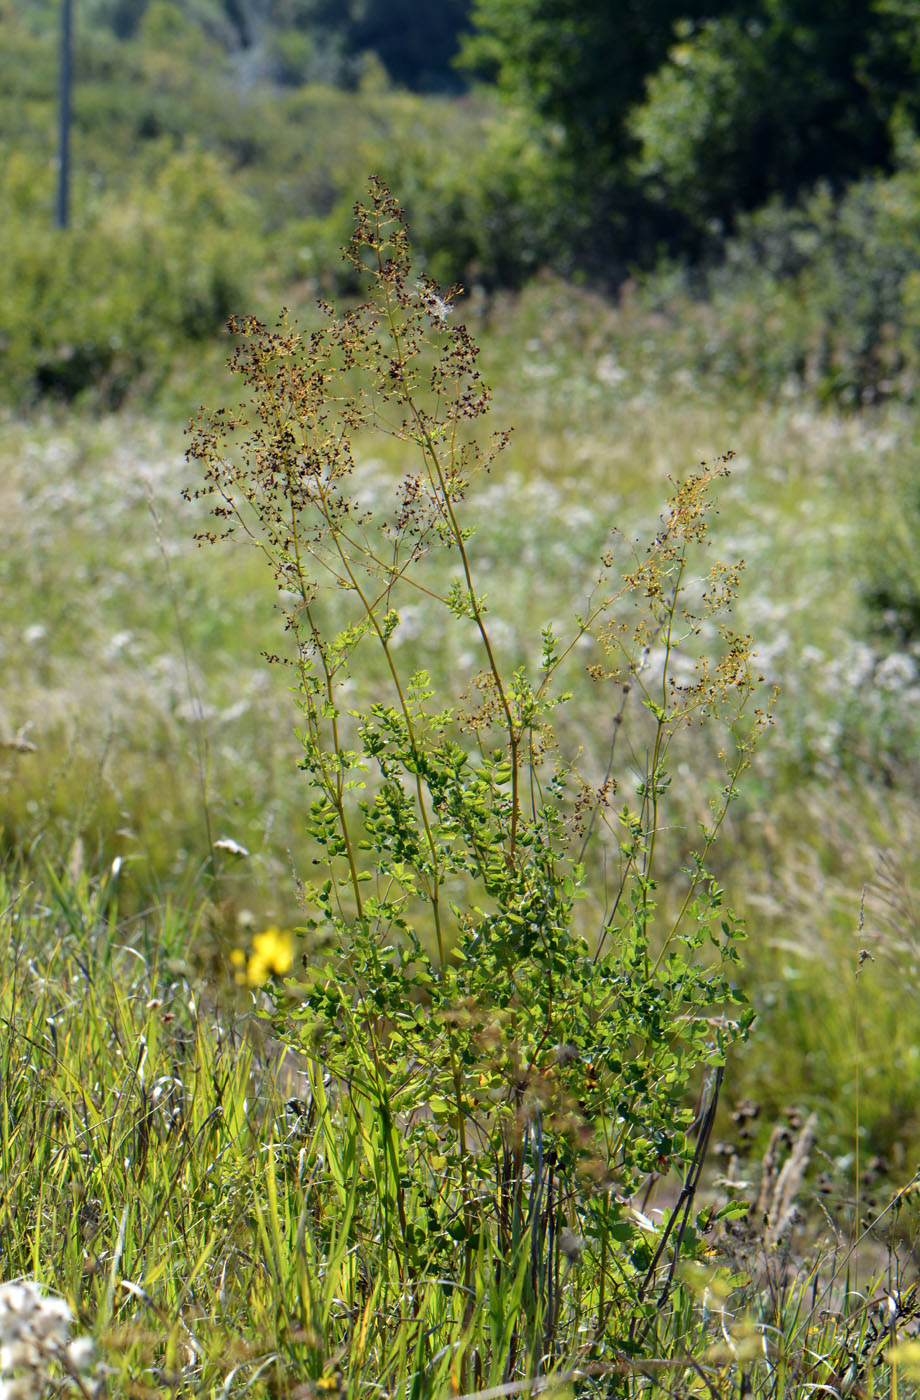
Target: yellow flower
[272, 952]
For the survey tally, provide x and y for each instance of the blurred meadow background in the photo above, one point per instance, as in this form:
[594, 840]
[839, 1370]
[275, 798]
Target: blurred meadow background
[681, 229]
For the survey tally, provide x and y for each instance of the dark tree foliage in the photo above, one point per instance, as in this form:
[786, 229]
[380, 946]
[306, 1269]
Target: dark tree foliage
[414, 39]
[581, 63]
[749, 108]
[708, 106]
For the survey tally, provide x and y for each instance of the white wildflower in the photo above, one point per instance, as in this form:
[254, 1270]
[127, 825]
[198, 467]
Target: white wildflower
[21, 1298]
[35, 1334]
[27, 1387]
[233, 848]
[896, 672]
[81, 1353]
[18, 1354]
[52, 1321]
[116, 644]
[609, 371]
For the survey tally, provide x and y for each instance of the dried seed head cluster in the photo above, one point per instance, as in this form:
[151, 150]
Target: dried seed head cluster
[35, 1343]
[646, 622]
[280, 469]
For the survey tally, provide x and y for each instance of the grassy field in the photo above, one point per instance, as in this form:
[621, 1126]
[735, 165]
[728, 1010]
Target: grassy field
[177, 1175]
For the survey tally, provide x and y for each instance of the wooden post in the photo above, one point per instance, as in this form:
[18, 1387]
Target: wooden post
[63, 190]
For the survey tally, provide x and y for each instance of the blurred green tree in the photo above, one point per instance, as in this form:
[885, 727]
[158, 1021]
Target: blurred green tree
[415, 40]
[707, 106]
[580, 63]
[749, 107]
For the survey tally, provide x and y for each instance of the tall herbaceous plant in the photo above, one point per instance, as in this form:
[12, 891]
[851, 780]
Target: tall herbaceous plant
[499, 1067]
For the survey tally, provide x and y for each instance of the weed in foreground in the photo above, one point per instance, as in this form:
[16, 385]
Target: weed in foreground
[510, 1078]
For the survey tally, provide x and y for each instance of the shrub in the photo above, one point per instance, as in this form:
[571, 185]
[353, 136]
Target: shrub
[95, 308]
[821, 296]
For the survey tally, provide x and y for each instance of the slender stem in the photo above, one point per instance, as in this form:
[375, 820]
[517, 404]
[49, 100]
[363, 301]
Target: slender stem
[729, 794]
[432, 460]
[337, 795]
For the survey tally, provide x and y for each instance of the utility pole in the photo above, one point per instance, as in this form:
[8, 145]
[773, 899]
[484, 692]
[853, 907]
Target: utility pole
[63, 191]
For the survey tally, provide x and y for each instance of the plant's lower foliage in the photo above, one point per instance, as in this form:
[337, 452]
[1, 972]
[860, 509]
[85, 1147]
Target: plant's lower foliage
[510, 1024]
